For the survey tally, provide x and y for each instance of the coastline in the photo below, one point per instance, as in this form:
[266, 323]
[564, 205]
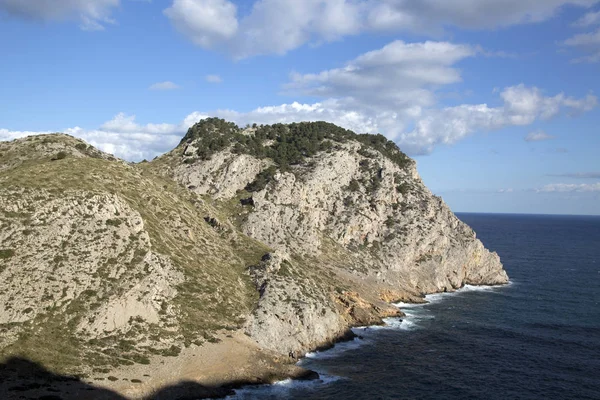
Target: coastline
[352, 337]
[357, 337]
[233, 363]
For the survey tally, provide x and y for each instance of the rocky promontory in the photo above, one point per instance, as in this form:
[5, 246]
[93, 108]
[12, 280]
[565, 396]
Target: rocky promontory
[271, 238]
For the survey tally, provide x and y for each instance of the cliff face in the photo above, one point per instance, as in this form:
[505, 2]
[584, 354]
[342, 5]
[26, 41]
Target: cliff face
[290, 233]
[356, 214]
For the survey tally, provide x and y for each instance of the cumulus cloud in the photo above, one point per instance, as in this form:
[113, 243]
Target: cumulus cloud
[6, 134]
[92, 15]
[122, 136]
[216, 24]
[213, 79]
[168, 85]
[394, 90]
[570, 188]
[123, 123]
[521, 106]
[538, 136]
[399, 73]
[126, 138]
[206, 22]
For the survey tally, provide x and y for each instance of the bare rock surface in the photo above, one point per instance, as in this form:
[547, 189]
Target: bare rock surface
[272, 239]
[351, 208]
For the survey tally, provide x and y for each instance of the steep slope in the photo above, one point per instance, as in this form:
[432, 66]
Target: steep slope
[103, 264]
[351, 221]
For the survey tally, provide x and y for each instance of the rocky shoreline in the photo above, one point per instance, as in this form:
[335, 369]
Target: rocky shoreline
[283, 369]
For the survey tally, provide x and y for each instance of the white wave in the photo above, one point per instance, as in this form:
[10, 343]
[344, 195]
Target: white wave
[414, 312]
[281, 389]
[408, 305]
[473, 288]
[339, 348]
[405, 324]
[437, 297]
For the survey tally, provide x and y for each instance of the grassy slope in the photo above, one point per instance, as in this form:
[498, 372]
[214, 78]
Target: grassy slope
[217, 293]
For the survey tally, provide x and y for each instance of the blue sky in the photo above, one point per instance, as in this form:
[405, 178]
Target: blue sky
[495, 99]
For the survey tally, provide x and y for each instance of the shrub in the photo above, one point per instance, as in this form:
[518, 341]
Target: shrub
[354, 186]
[290, 144]
[60, 155]
[403, 188]
[6, 253]
[172, 351]
[113, 222]
[262, 180]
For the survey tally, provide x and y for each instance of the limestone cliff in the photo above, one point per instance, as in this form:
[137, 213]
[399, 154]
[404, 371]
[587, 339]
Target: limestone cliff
[349, 218]
[289, 233]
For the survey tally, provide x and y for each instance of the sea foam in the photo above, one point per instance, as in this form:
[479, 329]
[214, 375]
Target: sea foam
[338, 348]
[281, 389]
[415, 313]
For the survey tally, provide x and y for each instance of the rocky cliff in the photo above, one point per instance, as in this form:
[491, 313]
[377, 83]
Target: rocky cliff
[288, 233]
[351, 224]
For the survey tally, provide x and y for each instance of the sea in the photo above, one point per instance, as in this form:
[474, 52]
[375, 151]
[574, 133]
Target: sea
[535, 338]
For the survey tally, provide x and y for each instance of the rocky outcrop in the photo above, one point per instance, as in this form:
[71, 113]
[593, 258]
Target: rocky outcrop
[290, 234]
[351, 211]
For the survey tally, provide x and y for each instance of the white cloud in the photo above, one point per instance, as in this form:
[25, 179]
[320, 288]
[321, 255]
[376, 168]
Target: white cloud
[570, 188]
[586, 42]
[521, 106]
[399, 73]
[123, 123]
[525, 104]
[538, 136]
[589, 19]
[123, 136]
[584, 39]
[393, 91]
[213, 79]
[330, 110]
[278, 26]
[206, 22]
[6, 134]
[91, 14]
[477, 14]
[168, 85]
[126, 138]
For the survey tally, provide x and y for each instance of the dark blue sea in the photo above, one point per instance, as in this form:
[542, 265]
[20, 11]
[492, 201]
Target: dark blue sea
[537, 338]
